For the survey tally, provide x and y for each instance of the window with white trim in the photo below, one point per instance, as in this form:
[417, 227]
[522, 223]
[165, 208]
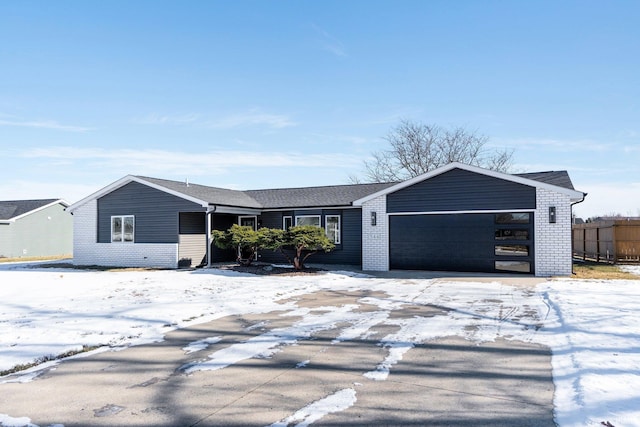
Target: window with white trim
[122, 229]
[313, 220]
[287, 222]
[332, 227]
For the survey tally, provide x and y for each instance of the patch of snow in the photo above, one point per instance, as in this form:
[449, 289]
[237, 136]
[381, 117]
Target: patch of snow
[302, 364]
[200, 344]
[633, 269]
[591, 326]
[7, 421]
[336, 402]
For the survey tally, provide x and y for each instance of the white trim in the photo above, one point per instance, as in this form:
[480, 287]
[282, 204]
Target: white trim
[310, 216]
[123, 241]
[315, 208]
[48, 205]
[573, 194]
[254, 217]
[284, 225]
[126, 180]
[338, 231]
[235, 211]
[461, 212]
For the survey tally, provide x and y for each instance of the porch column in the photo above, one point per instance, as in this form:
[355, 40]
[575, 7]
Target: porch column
[208, 237]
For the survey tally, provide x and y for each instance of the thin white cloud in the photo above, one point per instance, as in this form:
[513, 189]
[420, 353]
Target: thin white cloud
[164, 119]
[44, 124]
[251, 117]
[329, 43]
[166, 162]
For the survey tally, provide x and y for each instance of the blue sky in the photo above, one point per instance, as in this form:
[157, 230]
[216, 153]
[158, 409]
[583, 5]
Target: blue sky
[267, 94]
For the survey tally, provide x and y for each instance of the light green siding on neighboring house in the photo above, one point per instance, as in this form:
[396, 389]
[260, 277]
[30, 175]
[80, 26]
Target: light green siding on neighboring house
[47, 231]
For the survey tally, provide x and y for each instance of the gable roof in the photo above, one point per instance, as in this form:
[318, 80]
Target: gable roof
[10, 210]
[210, 195]
[554, 180]
[322, 196]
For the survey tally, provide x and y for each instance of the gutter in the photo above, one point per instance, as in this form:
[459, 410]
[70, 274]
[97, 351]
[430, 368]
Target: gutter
[207, 218]
[584, 196]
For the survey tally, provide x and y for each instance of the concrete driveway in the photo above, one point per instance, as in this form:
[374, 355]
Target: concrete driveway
[445, 382]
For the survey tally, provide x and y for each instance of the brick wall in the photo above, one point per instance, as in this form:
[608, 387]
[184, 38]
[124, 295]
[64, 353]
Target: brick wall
[375, 239]
[87, 252]
[552, 241]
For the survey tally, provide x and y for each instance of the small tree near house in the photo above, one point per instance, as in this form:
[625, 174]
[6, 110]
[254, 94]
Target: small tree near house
[301, 241]
[241, 238]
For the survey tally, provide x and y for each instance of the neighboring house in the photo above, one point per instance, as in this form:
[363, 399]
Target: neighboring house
[457, 217]
[35, 228]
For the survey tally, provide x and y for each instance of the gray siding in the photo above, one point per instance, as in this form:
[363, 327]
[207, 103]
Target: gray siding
[48, 232]
[156, 213]
[349, 251]
[462, 190]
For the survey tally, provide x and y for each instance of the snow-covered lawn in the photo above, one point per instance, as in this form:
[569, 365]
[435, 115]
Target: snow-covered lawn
[592, 327]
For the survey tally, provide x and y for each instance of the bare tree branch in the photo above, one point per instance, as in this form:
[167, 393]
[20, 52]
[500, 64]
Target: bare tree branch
[416, 148]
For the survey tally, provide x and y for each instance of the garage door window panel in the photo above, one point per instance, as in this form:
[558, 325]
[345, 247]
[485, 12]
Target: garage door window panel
[513, 218]
[512, 250]
[512, 234]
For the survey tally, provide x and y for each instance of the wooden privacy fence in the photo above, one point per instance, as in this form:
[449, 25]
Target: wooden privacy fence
[612, 241]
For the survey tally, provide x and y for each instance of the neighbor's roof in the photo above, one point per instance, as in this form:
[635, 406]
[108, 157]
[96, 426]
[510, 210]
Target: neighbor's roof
[12, 209]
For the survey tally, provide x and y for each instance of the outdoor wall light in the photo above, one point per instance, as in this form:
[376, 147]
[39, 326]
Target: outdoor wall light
[552, 214]
[373, 219]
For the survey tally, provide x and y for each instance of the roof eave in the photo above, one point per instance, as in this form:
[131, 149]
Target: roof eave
[126, 180]
[574, 195]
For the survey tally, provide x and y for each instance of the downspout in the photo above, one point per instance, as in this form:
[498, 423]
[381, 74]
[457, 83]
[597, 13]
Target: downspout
[584, 195]
[210, 211]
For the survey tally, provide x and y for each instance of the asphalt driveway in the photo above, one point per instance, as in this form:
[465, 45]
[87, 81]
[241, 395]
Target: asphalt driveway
[444, 382]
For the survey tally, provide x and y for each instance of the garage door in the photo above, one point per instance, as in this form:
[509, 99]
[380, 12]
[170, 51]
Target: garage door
[501, 242]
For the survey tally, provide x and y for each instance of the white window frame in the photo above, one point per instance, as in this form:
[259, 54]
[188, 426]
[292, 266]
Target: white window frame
[284, 221]
[122, 221]
[309, 216]
[337, 230]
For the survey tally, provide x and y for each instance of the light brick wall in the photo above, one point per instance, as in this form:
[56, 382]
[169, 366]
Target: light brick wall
[375, 239]
[552, 241]
[86, 250]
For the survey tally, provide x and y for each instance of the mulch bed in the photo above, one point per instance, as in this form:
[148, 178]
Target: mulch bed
[264, 269]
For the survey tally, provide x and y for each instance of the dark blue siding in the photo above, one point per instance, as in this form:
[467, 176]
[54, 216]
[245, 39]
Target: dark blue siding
[349, 251]
[192, 223]
[461, 190]
[156, 213]
[222, 222]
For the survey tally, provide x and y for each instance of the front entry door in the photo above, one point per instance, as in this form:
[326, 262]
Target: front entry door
[249, 221]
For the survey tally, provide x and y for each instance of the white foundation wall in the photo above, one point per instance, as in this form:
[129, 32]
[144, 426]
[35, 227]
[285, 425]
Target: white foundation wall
[86, 250]
[552, 240]
[375, 238]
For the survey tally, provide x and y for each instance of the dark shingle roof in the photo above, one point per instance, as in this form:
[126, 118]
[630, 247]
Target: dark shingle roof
[213, 195]
[308, 197]
[13, 208]
[558, 178]
[335, 195]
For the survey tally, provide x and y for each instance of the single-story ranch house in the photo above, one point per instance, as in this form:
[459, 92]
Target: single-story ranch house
[457, 217]
[35, 228]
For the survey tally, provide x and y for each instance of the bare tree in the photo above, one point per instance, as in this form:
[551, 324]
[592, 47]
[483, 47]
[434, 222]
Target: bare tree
[416, 148]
